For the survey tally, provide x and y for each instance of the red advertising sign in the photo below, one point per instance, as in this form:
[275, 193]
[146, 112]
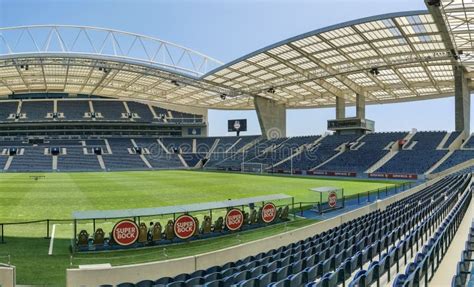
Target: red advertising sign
[332, 199]
[269, 212]
[394, 175]
[333, 173]
[184, 226]
[125, 232]
[234, 219]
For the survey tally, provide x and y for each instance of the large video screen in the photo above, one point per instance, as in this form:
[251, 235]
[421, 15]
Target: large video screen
[237, 125]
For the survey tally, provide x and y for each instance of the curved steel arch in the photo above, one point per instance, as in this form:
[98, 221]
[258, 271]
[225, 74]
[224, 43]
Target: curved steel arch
[73, 39]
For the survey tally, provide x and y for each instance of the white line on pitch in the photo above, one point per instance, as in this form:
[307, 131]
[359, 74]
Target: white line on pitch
[50, 252]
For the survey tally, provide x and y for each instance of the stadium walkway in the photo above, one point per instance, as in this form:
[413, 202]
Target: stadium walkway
[447, 268]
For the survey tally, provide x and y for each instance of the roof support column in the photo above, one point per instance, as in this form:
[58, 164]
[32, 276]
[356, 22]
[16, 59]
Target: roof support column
[360, 105]
[271, 117]
[340, 108]
[462, 101]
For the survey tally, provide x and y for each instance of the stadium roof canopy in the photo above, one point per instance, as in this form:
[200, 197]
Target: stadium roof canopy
[395, 57]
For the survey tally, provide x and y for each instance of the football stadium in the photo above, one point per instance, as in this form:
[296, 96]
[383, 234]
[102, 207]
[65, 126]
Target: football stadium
[112, 175]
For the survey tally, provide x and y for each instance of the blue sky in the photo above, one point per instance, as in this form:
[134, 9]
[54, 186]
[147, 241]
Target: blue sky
[228, 29]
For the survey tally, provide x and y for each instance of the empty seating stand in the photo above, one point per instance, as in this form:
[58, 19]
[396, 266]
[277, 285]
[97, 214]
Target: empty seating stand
[420, 158]
[465, 269]
[457, 157]
[121, 158]
[33, 159]
[318, 154]
[365, 153]
[8, 108]
[470, 143]
[110, 110]
[157, 157]
[73, 110]
[36, 110]
[453, 136]
[228, 153]
[142, 110]
[364, 251]
[76, 160]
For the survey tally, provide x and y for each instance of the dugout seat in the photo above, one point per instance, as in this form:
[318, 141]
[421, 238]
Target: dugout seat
[206, 225]
[284, 214]
[219, 224]
[142, 233]
[99, 236]
[156, 235]
[253, 216]
[83, 238]
[169, 231]
[196, 231]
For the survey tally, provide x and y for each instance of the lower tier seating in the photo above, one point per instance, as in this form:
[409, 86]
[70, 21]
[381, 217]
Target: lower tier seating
[457, 157]
[333, 153]
[76, 160]
[33, 159]
[412, 161]
[465, 268]
[364, 251]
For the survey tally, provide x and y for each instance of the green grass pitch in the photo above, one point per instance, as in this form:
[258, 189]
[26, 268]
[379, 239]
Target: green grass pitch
[59, 194]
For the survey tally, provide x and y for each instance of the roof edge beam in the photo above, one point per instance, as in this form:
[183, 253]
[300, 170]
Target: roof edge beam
[435, 11]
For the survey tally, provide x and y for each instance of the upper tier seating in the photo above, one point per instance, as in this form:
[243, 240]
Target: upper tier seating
[382, 238]
[74, 110]
[142, 110]
[6, 109]
[106, 110]
[364, 154]
[110, 110]
[160, 113]
[36, 110]
[420, 158]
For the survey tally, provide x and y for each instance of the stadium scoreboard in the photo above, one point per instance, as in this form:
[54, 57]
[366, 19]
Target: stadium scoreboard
[239, 125]
[351, 125]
